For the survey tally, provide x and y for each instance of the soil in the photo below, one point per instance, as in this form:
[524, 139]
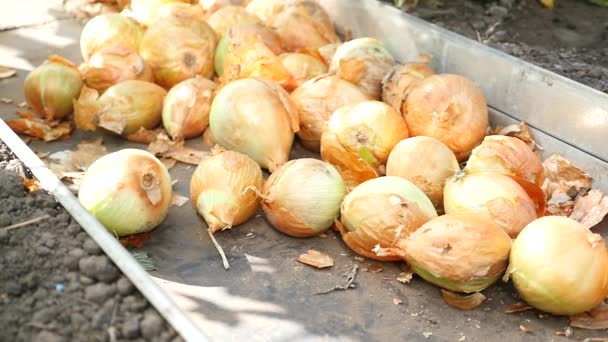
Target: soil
[571, 40]
[56, 284]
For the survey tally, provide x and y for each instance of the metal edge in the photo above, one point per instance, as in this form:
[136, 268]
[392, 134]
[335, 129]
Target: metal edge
[108, 243]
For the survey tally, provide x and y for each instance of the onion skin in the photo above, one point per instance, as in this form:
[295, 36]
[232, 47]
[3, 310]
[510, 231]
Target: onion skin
[559, 266]
[109, 29]
[302, 67]
[397, 84]
[186, 108]
[257, 118]
[128, 191]
[463, 253]
[449, 108]
[380, 212]
[112, 65]
[228, 16]
[507, 155]
[426, 162]
[51, 88]
[491, 195]
[316, 100]
[358, 139]
[177, 49]
[145, 11]
[363, 62]
[224, 189]
[302, 198]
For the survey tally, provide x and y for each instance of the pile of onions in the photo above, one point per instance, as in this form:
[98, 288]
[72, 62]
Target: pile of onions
[398, 83]
[224, 190]
[495, 196]
[358, 138]
[363, 62]
[380, 212]
[177, 49]
[228, 16]
[449, 108]
[302, 67]
[302, 25]
[114, 64]
[123, 109]
[426, 162]
[507, 155]
[109, 29]
[463, 253]
[52, 87]
[186, 108]
[128, 191]
[257, 118]
[559, 266]
[145, 11]
[302, 198]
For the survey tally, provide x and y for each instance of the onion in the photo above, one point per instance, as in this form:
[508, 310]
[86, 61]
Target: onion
[128, 191]
[363, 62]
[228, 16]
[302, 67]
[51, 88]
[316, 100]
[255, 117]
[459, 252]
[303, 24]
[558, 266]
[251, 50]
[186, 108]
[380, 212]
[178, 10]
[397, 84]
[145, 11]
[266, 9]
[177, 49]
[302, 198]
[492, 195]
[426, 162]
[109, 29]
[114, 64]
[224, 190]
[123, 109]
[508, 155]
[449, 108]
[358, 138]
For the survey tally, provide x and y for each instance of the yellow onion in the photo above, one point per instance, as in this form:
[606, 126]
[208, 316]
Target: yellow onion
[559, 266]
[303, 24]
[145, 11]
[397, 84]
[491, 195]
[177, 49]
[508, 155]
[128, 191]
[257, 118]
[316, 100]
[426, 162]
[123, 109]
[251, 50]
[109, 29]
[186, 108]
[380, 212]
[302, 198]
[459, 252]
[228, 16]
[113, 64]
[363, 62]
[358, 139]
[449, 108]
[302, 67]
[52, 87]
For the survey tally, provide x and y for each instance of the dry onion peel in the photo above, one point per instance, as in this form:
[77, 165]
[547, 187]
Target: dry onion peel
[397, 84]
[316, 259]
[166, 148]
[186, 108]
[463, 302]
[114, 64]
[109, 29]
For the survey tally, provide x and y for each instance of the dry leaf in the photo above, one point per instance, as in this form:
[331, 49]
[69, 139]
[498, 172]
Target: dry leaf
[519, 131]
[375, 269]
[164, 147]
[564, 181]
[462, 301]
[316, 259]
[594, 319]
[6, 72]
[31, 184]
[397, 301]
[590, 209]
[145, 136]
[405, 277]
[23, 105]
[169, 162]
[525, 329]
[6, 100]
[72, 164]
[40, 129]
[86, 108]
[518, 307]
[178, 200]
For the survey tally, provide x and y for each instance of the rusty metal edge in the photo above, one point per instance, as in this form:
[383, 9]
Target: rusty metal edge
[108, 243]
